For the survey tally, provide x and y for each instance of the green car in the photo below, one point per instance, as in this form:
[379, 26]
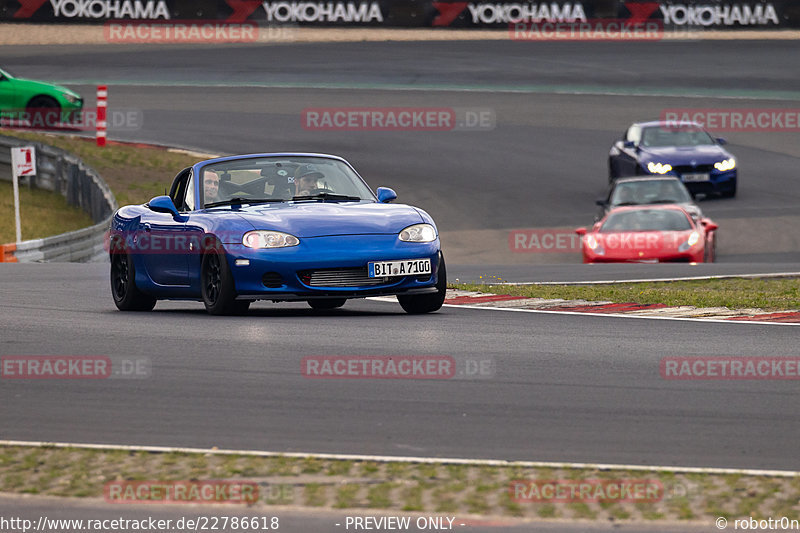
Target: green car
[18, 95]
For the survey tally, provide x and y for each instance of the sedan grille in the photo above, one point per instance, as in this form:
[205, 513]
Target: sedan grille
[340, 277]
[688, 169]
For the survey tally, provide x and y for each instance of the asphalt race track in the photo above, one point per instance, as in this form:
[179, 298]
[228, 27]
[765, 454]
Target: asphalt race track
[565, 388]
[557, 109]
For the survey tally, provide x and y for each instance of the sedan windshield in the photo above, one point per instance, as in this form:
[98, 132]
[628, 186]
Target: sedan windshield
[679, 136]
[667, 191]
[647, 220]
[281, 179]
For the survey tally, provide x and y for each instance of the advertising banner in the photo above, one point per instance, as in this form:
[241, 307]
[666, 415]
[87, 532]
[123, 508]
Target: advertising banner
[500, 14]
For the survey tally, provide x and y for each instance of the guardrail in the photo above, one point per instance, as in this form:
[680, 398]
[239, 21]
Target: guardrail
[61, 172]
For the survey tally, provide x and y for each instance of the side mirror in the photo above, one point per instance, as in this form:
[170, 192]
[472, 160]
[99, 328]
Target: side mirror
[629, 144]
[386, 195]
[710, 226]
[581, 231]
[163, 204]
[601, 202]
[721, 141]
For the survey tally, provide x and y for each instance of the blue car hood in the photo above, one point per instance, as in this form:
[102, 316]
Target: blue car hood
[684, 155]
[317, 219]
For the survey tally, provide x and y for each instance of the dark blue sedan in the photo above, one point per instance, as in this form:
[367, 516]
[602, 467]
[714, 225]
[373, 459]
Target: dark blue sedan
[277, 227]
[681, 149]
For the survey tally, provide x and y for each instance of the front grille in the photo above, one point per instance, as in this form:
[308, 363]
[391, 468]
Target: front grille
[688, 169]
[340, 277]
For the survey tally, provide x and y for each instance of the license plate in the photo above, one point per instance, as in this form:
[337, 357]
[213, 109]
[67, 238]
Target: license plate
[698, 176]
[401, 267]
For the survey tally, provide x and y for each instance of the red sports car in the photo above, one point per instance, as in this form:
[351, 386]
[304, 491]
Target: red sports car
[649, 234]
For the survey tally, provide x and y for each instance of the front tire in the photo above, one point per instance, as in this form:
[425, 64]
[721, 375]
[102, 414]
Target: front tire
[127, 296]
[427, 303]
[44, 110]
[711, 250]
[217, 287]
[612, 175]
[332, 303]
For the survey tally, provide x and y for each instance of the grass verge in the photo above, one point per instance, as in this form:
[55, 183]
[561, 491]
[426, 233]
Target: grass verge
[733, 293]
[135, 173]
[454, 489]
[42, 214]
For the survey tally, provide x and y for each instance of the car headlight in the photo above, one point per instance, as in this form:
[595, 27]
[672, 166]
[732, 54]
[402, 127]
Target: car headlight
[594, 245]
[693, 239]
[725, 164]
[71, 98]
[418, 233]
[269, 239]
[659, 168]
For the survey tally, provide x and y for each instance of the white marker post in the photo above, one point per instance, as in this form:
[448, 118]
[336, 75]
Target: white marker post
[23, 163]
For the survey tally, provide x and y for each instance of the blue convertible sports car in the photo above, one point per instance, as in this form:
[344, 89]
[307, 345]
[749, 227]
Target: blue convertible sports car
[681, 149]
[274, 227]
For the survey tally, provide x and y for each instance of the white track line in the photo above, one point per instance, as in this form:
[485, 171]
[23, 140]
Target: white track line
[401, 459]
[652, 280]
[619, 315]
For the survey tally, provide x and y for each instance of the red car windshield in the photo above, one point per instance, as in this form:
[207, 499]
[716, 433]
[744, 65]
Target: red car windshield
[647, 220]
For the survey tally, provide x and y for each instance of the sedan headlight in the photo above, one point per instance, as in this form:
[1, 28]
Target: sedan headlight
[725, 165]
[659, 168]
[269, 239]
[418, 233]
[71, 98]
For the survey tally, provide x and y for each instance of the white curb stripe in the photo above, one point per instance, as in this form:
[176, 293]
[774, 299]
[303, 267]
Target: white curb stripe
[401, 459]
[619, 315]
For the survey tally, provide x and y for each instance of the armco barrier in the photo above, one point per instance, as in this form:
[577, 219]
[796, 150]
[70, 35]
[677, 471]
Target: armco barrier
[61, 172]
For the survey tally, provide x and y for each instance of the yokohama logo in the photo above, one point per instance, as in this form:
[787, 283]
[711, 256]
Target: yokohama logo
[323, 12]
[97, 9]
[501, 13]
[719, 15]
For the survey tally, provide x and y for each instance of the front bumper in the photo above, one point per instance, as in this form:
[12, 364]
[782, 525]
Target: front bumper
[274, 274]
[719, 182]
[690, 256]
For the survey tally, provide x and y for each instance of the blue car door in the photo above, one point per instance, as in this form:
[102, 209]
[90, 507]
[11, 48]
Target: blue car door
[162, 242]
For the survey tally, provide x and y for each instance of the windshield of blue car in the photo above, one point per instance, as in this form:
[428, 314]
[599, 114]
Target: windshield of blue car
[647, 220]
[669, 191]
[661, 136]
[280, 179]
